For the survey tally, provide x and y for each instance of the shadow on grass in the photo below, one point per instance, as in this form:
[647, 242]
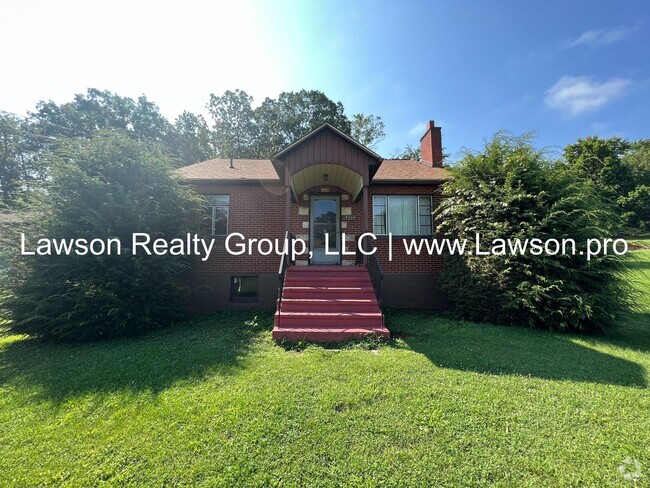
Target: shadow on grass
[634, 332]
[211, 344]
[639, 265]
[484, 348]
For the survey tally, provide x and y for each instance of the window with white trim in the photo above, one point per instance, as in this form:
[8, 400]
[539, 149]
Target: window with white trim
[218, 205]
[401, 215]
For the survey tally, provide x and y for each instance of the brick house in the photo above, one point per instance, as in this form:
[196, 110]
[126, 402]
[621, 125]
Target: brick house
[325, 185]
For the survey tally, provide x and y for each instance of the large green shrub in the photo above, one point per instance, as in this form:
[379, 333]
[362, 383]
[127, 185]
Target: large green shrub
[107, 187]
[510, 190]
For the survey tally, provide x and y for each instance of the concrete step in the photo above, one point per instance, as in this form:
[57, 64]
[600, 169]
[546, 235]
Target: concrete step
[328, 292]
[324, 269]
[326, 280]
[349, 305]
[332, 320]
[327, 335]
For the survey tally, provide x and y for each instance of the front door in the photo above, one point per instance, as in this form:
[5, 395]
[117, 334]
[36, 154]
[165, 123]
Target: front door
[324, 224]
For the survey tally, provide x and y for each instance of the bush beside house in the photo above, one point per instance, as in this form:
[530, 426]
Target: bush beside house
[108, 186]
[511, 190]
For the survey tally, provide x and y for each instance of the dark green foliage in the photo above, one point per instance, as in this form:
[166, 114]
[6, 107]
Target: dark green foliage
[636, 204]
[601, 161]
[636, 207]
[234, 132]
[10, 171]
[238, 130]
[188, 140]
[621, 172]
[512, 191]
[21, 169]
[293, 115]
[193, 139]
[241, 131]
[638, 159]
[97, 109]
[108, 186]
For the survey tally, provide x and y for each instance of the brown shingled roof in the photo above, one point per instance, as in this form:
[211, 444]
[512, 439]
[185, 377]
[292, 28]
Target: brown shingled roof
[219, 169]
[390, 170]
[408, 170]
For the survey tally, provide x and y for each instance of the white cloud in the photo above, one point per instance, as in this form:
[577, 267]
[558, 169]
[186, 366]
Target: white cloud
[576, 95]
[418, 129]
[602, 37]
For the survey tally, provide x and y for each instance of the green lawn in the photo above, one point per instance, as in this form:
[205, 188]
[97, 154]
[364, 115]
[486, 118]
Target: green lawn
[216, 402]
[642, 240]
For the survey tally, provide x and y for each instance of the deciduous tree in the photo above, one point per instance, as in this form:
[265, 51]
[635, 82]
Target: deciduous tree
[369, 130]
[193, 140]
[621, 172]
[21, 168]
[235, 132]
[241, 131]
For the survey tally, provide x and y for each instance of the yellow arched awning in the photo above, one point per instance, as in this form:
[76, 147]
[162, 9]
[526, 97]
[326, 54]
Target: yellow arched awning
[337, 175]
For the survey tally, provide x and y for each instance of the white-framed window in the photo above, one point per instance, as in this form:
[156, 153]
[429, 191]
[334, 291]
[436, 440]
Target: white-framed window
[218, 205]
[401, 215]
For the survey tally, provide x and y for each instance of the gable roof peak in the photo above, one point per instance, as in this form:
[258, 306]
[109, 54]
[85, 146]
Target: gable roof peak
[338, 132]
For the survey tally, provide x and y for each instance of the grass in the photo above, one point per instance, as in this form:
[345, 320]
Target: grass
[640, 240]
[216, 402]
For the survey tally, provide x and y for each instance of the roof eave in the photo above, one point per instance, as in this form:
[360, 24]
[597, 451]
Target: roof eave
[240, 180]
[410, 181]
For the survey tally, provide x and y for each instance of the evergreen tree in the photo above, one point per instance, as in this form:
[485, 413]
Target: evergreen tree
[106, 186]
[512, 191]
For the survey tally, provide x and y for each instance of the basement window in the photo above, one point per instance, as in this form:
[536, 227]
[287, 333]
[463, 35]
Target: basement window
[243, 288]
[401, 215]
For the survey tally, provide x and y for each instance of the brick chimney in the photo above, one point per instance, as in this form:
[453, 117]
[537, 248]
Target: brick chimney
[431, 145]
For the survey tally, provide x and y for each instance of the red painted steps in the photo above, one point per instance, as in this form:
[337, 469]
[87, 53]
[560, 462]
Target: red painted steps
[326, 335]
[331, 320]
[327, 292]
[327, 281]
[328, 303]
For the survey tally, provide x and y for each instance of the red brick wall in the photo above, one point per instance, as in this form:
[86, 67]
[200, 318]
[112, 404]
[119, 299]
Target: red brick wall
[258, 211]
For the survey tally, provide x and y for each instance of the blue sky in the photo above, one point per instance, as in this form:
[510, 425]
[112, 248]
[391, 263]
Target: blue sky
[562, 69]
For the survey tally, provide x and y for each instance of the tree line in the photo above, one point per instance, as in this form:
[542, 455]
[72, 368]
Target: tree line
[236, 129]
[620, 169]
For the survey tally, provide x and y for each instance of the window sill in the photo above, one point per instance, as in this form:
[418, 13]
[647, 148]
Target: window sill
[404, 236]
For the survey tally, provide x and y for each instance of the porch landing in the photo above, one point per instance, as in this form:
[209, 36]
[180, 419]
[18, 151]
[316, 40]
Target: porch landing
[328, 304]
